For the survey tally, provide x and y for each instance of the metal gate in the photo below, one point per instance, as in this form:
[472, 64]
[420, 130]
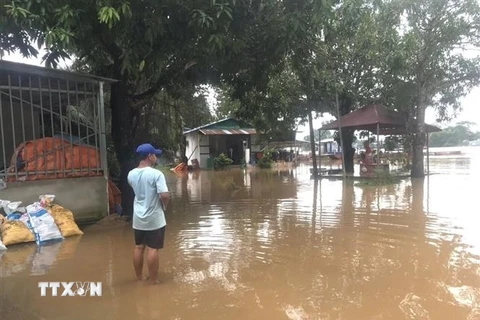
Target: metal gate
[45, 106]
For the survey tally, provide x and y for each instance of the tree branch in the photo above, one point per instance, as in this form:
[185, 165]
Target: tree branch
[161, 82]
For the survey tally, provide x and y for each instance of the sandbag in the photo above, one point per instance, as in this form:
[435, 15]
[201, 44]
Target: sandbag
[15, 231]
[64, 220]
[43, 224]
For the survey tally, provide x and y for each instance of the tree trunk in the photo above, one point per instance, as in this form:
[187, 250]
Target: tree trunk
[346, 107]
[418, 144]
[123, 141]
[348, 151]
[312, 145]
[418, 186]
[121, 122]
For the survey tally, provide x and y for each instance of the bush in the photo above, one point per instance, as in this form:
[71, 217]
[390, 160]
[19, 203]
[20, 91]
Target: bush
[221, 162]
[266, 162]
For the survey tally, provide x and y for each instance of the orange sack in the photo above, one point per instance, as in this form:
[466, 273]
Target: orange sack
[52, 158]
[59, 158]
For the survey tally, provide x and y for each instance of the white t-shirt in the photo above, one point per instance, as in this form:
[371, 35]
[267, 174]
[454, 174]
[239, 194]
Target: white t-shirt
[148, 212]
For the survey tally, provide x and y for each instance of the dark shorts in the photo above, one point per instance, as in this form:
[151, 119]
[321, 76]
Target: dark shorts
[151, 238]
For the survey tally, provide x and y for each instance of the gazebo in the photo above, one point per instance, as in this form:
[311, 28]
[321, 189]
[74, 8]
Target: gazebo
[379, 119]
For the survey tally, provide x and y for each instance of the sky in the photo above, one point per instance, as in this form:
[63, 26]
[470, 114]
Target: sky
[470, 104]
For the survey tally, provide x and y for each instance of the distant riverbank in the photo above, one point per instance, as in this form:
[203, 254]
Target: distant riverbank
[461, 150]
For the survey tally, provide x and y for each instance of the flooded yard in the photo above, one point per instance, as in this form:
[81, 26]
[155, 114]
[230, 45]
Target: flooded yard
[276, 245]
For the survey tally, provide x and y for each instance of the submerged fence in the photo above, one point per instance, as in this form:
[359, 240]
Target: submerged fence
[52, 124]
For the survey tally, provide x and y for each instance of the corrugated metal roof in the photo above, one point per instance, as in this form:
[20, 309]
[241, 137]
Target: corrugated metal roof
[27, 69]
[204, 126]
[225, 126]
[227, 131]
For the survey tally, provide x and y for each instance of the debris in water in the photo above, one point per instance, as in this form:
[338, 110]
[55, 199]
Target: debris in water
[296, 313]
[412, 309]
[465, 296]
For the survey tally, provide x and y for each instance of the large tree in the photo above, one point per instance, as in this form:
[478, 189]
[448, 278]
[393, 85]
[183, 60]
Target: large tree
[154, 45]
[429, 67]
[338, 71]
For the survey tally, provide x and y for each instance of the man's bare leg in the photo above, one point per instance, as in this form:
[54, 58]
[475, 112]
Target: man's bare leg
[138, 261]
[152, 260]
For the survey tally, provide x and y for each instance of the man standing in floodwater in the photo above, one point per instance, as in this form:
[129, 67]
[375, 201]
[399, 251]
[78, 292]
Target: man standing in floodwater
[151, 200]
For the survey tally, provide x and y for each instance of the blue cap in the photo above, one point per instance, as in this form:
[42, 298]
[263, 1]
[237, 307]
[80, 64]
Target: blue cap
[147, 148]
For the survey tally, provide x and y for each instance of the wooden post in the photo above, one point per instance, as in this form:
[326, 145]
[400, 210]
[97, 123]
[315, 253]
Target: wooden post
[378, 144]
[340, 129]
[428, 156]
[312, 145]
[320, 150]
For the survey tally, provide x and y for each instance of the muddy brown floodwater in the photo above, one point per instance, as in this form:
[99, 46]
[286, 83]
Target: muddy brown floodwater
[276, 245]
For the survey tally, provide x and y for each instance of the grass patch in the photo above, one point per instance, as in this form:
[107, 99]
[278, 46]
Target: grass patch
[381, 179]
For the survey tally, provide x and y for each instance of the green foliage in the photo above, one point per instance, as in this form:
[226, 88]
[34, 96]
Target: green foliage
[427, 67]
[275, 61]
[226, 106]
[392, 142]
[380, 179]
[266, 162]
[222, 162]
[273, 110]
[459, 135]
[165, 46]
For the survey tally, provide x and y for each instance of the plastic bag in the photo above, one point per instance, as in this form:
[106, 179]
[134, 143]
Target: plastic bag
[46, 200]
[9, 206]
[23, 217]
[44, 226]
[34, 207]
[65, 221]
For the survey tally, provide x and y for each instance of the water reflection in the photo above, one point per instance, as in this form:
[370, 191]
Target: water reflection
[277, 245]
[32, 260]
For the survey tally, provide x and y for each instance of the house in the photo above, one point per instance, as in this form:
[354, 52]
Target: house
[329, 147]
[230, 136]
[45, 147]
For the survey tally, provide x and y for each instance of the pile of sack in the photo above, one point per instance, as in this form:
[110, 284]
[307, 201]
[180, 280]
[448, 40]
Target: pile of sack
[39, 222]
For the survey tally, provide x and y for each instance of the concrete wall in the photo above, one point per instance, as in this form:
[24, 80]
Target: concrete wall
[87, 198]
[202, 145]
[32, 128]
[192, 143]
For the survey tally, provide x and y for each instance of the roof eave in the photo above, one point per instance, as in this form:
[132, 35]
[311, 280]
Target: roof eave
[29, 69]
